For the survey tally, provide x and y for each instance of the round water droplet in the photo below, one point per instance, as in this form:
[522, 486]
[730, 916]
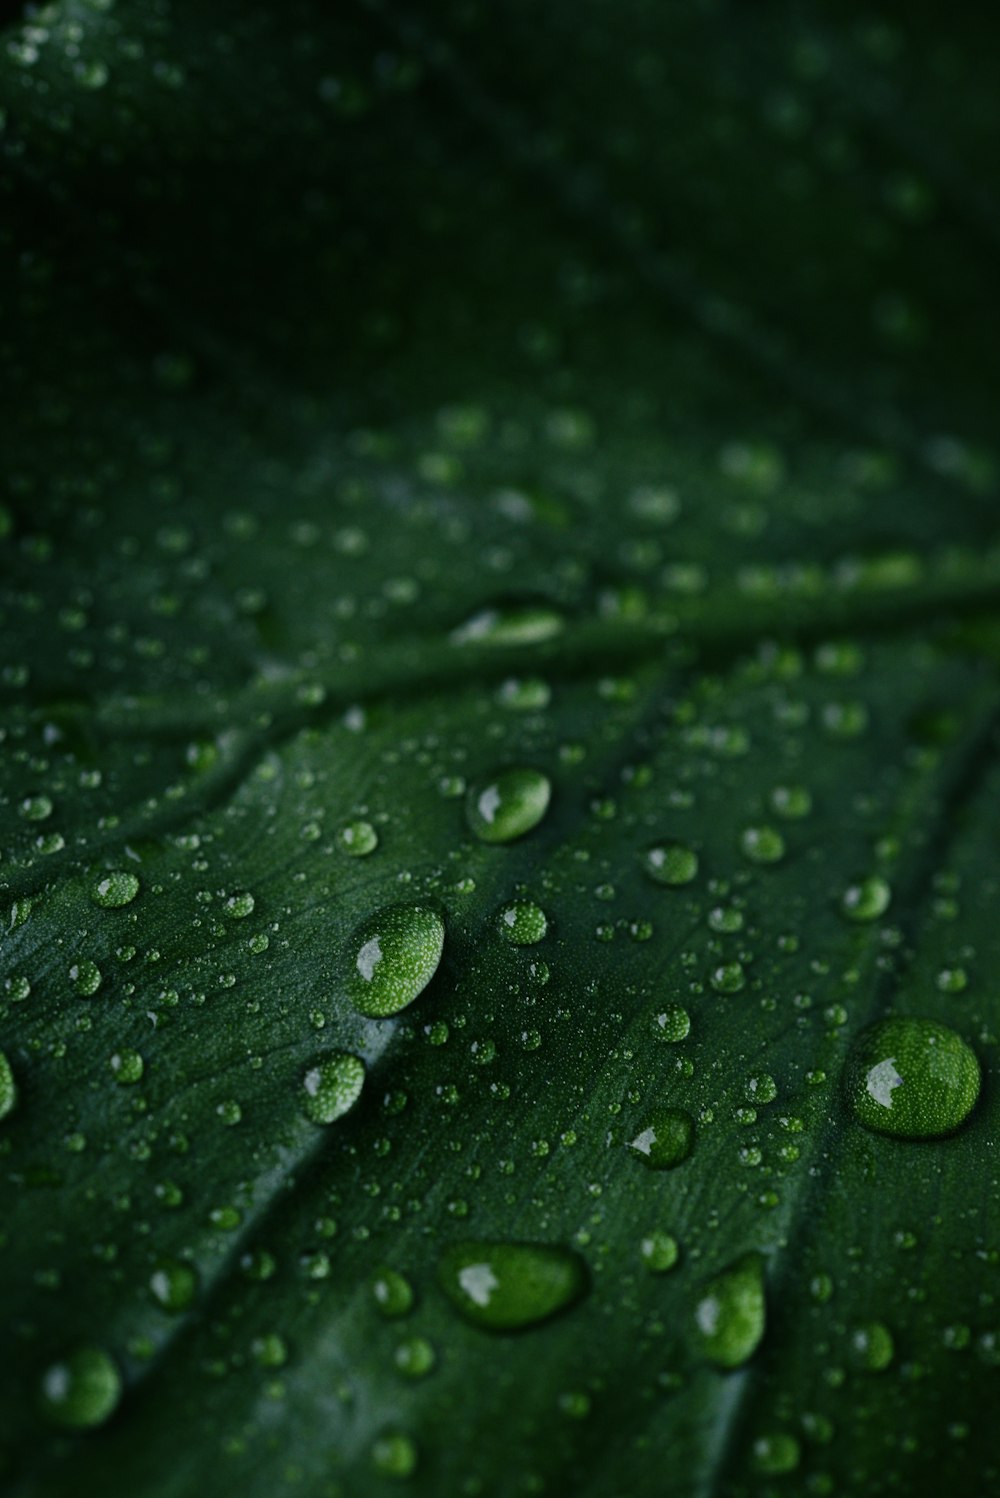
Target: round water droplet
[506, 1286]
[791, 801]
[127, 1067]
[115, 890]
[83, 1390]
[415, 1357]
[8, 1087]
[730, 1314]
[394, 1454]
[85, 977]
[672, 864]
[508, 806]
[867, 899]
[358, 839]
[775, 1454]
[761, 1089]
[872, 1346]
[912, 1078]
[665, 1139]
[523, 923]
[332, 1087]
[392, 1293]
[762, 844]
[393, 957]
[672, 1023]
[173, 1285]
[659, 1252]
[36, 808]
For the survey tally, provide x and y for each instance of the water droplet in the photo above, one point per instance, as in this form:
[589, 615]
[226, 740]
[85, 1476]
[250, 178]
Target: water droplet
[8, 1087]
[526, 625]
[762, 844]
[173, 1285]
[36, 808]
[394, 1454]
[670, 863]
[85, 977]
[791, 801]
[505, 1286]
[761, 1089]
[238, 906]
[392, 1293]
[730, 1314]
[116, 889]
[912, 1078]
[665, 1139]
[394, 955]
[524, 694]
[127, 1067]
[867, 899]
[332, 1087]
[83, 1390]
[270, 1350]
[775, 1454]
[872, 1346]
[510, 805]
[523, 923]
[358, 839]
[673, 1023]
[415, 1357]
[728, 977]
[659, 1252]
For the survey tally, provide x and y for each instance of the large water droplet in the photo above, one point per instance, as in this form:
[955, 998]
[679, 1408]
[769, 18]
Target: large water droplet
[509, 805]
[393, 957]
[665, 1139]
[505, 1286]
[523, 923]
[83, 1390]
[730, 1314]
[912, 1078]
[332, 1087]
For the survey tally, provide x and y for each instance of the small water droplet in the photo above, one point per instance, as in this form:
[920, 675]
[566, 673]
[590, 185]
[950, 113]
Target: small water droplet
[173, 1285]
[672, 864]
[506, 1286]
[358, 839]
[8, 1087]
[239, 906]
[673, 1023]
[665, 1139]
[114, 890]
[659, 1252]
[391, 1292]
[867, 899]
[523, 923]
[332, 1086]
[762, 844]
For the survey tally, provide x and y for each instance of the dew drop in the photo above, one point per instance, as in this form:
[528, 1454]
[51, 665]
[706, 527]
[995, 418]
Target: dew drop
[83, 1390]
[8, 1087]
[872, 1347]
[85, 977]
[173, 1285]
[730, 1314]
[659, 1252]
[393, 956]
[394, 1454]
[357, 838]
[239, 906]
[392, 1293]
[506, 1286]
[672, 864]
[912, 1078]
[762, 845]
[415, 1357]
[523, 923]
[508, 806]
[127, 1067]
[665, 1139]
[332, 1087]
[673, 1023]
[116, 889]
[526, 625]
[867, 899]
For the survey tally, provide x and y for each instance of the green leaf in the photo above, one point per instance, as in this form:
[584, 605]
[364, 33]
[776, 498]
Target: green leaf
[499, 566]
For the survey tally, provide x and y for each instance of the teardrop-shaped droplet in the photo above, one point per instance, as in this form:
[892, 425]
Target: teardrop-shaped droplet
[526, 624]
[332, 1086]
[393, 957]
[508, 805]
[730, 1314]
[913, 1078]
[83, 1390]
[506, 1286]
